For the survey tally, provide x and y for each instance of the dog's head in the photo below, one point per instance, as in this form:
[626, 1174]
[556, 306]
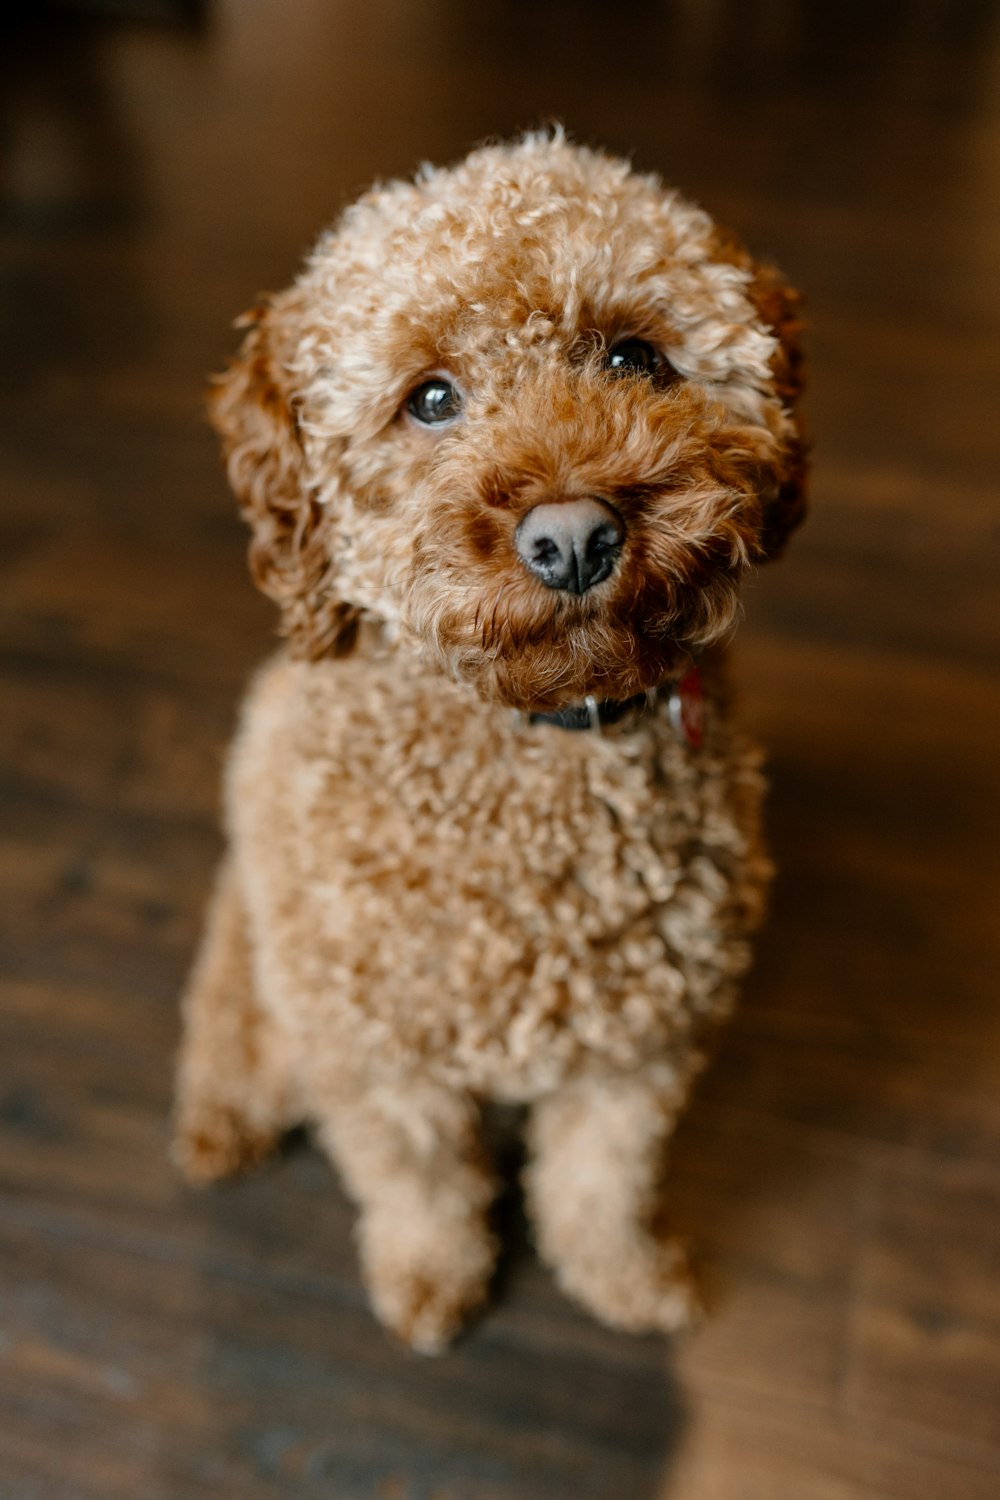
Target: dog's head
[536, 413]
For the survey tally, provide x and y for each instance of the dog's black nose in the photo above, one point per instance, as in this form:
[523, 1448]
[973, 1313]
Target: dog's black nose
[572, 544]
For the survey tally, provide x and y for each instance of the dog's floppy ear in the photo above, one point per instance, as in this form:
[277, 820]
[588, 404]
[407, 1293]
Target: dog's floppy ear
[779, 307]
[253, 407]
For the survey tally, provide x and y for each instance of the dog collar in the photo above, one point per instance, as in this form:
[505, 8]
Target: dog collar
[685, 707]
[593, 712]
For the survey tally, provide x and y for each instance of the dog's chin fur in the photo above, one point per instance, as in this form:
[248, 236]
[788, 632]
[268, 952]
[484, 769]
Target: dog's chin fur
[430, 903]
[536, 655]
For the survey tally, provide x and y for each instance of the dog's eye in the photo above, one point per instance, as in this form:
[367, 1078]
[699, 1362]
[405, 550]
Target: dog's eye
[635, 357]
[434, 402]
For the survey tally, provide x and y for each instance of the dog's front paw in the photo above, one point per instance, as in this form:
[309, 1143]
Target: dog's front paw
[640, 1285]
[426, 1275]
[215, 1141]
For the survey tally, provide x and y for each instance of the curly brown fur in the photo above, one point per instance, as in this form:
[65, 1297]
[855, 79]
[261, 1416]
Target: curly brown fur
[432, 901]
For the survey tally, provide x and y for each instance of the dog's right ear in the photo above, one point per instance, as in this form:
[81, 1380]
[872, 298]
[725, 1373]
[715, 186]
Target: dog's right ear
[253, 407]
[780, 309]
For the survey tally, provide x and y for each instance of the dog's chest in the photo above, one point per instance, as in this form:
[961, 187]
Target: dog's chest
[492, 892]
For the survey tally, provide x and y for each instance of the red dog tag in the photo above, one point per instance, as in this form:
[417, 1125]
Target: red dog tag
[687, 709]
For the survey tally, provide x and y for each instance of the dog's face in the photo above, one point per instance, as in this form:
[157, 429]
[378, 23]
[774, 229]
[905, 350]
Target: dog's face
[535, 412]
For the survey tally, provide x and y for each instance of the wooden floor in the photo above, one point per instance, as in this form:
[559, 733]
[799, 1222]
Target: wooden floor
[840, 1172]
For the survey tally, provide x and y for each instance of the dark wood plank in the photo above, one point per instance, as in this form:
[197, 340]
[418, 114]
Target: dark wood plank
[926, 1356]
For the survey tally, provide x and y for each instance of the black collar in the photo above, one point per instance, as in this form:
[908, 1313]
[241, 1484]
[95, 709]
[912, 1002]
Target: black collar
[592, 713]
[686, 709]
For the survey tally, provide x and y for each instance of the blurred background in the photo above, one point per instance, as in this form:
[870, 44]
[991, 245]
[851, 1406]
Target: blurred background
[160, 165]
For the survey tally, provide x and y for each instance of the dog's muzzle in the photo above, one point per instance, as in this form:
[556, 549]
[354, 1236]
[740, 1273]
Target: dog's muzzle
[570, 545]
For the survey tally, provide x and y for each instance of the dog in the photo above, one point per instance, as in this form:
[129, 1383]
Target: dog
[507, 448]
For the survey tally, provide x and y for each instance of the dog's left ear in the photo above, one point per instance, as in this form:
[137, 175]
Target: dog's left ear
[253, 407]
[779, 307]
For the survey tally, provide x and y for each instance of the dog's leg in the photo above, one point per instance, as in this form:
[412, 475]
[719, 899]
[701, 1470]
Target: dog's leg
[233, 1082]
[598, 1149]
[411, 1156]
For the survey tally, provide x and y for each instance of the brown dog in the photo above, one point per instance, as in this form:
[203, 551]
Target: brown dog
[507, 448]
